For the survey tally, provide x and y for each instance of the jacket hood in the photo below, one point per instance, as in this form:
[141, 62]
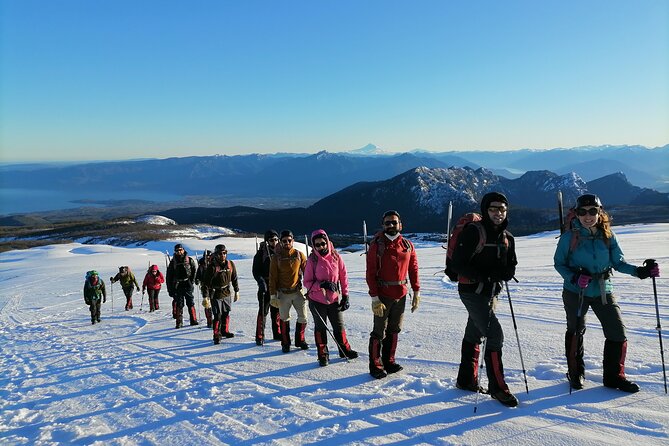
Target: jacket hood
[319, 233]
[485, 203]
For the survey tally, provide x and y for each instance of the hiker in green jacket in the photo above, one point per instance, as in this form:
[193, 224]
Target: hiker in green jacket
[94, 294]
[127, 279]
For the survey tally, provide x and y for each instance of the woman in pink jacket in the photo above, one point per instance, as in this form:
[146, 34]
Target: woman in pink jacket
[327, 289]
[152, 283]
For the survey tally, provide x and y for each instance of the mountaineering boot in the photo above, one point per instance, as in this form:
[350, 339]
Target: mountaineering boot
[217, 332]
[468, 373]
[276, 323]
[260, 328]
[226, 326]
[207, 314]
[174, 308]
[614, 367]
[299, 336]
[345, 350]
[496, 385]
[375, 363]
[192, 316]
[179, 317]
[285, 336]
[322, 347]
[388, 354]
[573, 343]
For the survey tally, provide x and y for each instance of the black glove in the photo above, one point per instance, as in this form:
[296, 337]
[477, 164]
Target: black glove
[111, 279]
[343, 303]
[262, 286]
[327, 285]
[646, 271]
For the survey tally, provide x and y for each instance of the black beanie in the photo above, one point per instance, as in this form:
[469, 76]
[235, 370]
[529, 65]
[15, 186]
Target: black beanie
[270, 233]
[287, 233]
[489, 198]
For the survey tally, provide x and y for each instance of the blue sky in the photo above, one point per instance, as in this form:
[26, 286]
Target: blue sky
[83, 79]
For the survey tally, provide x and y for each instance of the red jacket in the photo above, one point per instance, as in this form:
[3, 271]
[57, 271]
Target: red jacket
[153, 282]
[389, 266]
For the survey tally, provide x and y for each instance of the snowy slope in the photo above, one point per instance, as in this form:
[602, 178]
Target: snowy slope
[135, 380]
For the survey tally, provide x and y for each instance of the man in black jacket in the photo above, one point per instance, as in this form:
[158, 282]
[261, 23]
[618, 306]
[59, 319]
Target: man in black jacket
[261, 262]
[485, 256]
[180, 277]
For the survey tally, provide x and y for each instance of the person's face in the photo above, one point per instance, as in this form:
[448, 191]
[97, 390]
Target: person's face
[590, 216]
[179, 251]
[320, 244]
[221, 255]
[287, 242]
[392, 225]
[272, 242]
[497, 212]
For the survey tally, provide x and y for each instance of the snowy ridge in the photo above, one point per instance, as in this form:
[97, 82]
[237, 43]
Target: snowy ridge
[134, 379]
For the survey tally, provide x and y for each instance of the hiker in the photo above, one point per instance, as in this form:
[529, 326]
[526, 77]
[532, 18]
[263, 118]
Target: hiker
[94, 294]
[326, 282]
[127, 279]
[202, 265]
[180, 278]
[261, 262]
[152, 283]
[390, 259]
[285, 289]
[220, 278]
[481, 270]
[585, 257]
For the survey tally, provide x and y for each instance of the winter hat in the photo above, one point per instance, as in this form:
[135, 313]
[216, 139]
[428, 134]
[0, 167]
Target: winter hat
[287, 233]
[588, 200]
[318, 233]
[177, 246]
[271, 233]
[154, 267]
[389, 213]
[220, 248]
[489, 198]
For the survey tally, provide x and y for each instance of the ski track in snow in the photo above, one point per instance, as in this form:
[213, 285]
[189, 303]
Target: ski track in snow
[135, 380]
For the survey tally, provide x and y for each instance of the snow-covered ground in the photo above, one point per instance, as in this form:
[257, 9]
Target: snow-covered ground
[135, 380]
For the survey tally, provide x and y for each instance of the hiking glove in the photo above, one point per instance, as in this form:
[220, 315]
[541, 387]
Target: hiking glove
[415, 301]
[197, 282]
[236, 296]
[343, 303]
[377, 307]
[327, 285]
[274, 301]
[582, 280]
[650, 268]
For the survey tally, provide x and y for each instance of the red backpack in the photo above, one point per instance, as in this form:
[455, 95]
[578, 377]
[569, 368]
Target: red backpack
[467, 219]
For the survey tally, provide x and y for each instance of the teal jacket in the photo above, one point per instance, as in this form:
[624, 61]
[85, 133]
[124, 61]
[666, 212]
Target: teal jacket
[592, 254]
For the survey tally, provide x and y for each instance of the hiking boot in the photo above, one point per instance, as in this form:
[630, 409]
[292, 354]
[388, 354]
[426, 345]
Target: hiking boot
[392, 367]
[471, 388]
[98, 319]
[322, 362]
[285, 348]
[179, 324]
[228, 335]
[259, 342]
[303, 345]
[92, 321]
[505, 397]
[576, 382]
[217, 340]
[194, 323]
[378, 373]
[350, 354]
[276, 337]
[623, 384]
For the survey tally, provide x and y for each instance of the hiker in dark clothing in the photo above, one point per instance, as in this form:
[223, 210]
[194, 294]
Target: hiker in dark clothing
[585, 257]
[261, 262]
[202, 265]
[94, 294]
[480, 278]
[221, 279]
[128, 284]
[152, 283]
[180, 277]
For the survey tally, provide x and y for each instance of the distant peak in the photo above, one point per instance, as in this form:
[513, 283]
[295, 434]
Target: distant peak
[369, 149]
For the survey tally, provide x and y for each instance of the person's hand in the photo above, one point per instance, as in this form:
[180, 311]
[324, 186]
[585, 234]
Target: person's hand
[343, 303]
[111, 279]
[197, 281]
[650, 268]
[274, 301]
[415, 301]
[330, 286]
[236, 296]
[377, 307]
[138, 289]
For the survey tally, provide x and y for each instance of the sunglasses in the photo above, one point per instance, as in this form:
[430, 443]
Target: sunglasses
[286, 241]
[320, 245]
[582, 212]
[221, 253]
[273, 240]
[391, 223]
[500, 209]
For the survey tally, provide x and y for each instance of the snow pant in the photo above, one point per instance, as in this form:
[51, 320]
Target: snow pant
[128, 297]
[153, 299]
[612, 324]
[206, 304]
[384, 335]
[94, 307]
[220, 309]
[184, 295]
[468, 373]
[322, 313]
[263, 309]
[482, 322]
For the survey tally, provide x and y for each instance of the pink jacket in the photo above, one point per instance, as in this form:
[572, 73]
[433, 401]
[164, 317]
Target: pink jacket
[328, 267]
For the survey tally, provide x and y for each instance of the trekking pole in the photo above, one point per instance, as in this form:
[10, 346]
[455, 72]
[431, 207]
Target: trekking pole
[141, 304]
[659, 333]
[364, 235]
[199, 295]
[515, 328]
[483, 347]
[448, 230]
[341, 349]
[112, 290]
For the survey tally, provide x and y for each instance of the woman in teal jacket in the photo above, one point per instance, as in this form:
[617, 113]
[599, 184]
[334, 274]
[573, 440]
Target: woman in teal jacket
[585, 257]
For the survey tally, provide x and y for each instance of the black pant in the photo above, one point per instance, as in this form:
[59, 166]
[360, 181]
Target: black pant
[184, 294]
[608, 314]
[95, 309]
[220, 310]
[482, 321]
[322, 313]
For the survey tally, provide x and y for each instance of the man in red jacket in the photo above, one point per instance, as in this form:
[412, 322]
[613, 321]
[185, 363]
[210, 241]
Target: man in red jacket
[391, 258]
